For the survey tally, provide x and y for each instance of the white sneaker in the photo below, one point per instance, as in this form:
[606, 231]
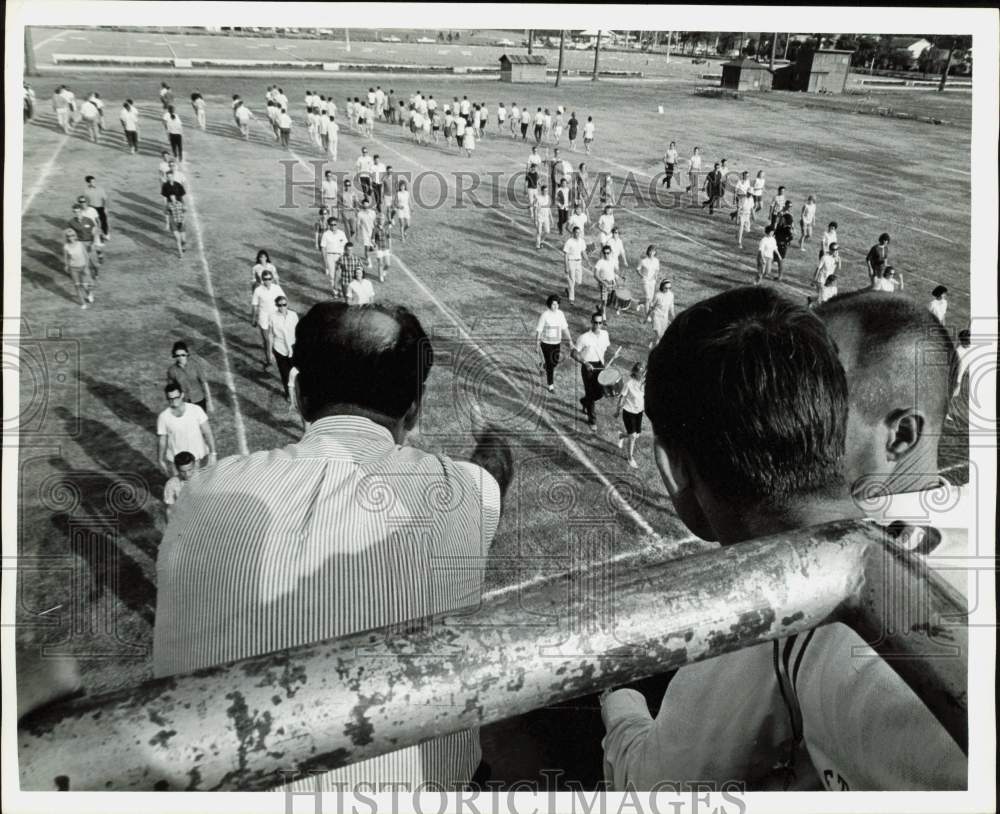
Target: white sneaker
[632, 463]
[620, 441]
[83, 305]
[552, 388]
[90, 297]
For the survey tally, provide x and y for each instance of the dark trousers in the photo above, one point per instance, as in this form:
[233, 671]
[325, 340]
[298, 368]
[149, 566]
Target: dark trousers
[132, 137]
[563, 218]
[714, 200]
[538, 134]
[668, 174]
[550, 353]
[377, 192]
[177, 146]
[102, 215]
[592, 391]
[524, 132]
[284, 364]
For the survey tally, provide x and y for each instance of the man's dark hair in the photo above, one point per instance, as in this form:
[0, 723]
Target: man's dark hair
[883, 238]
[748, 386]
[903, 344]
[172, 387]
[88, 179]
[551, 299]
[184, 458]
[965, 338]
[179, 345]
[376, 357]
[939, 290]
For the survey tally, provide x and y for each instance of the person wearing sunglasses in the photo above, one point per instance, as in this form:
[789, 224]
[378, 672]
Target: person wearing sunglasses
[188, 372]
[262, 308]
[282, 331]
[588, 352]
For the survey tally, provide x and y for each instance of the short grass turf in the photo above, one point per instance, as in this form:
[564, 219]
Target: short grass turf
[90, 517]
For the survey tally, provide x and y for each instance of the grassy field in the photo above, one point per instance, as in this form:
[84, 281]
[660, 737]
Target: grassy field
[50, 41]
[90, 518]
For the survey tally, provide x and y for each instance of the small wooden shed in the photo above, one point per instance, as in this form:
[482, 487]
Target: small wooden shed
[523, 68]
[745, 74]
[822, 71]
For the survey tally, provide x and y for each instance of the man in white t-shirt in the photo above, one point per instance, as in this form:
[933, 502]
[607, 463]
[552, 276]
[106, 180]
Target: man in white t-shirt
[90, 114]
[262, 306]
[331, 245]
[605, 223]
[129, 117]
[766, 250]
[363, 166]
[243, 115]
[360, 291]
[185, 466]
[588, 352]
[574, 252]
[182, 427]
[605, 273]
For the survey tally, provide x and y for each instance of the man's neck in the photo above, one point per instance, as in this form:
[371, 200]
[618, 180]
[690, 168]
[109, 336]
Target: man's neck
[741, 526]
[395, 426]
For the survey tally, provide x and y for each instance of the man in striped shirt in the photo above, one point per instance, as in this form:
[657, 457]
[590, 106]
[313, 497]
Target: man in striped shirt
[347, 530]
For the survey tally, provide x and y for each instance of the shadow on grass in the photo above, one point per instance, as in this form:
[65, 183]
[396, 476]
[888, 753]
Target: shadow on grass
[110, 138]
[46, 269]
[121, 403]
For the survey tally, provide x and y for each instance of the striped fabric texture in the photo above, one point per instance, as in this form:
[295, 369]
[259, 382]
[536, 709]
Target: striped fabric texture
[341, 532]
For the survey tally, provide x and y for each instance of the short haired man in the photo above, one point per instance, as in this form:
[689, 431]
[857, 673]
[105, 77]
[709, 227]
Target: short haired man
[331, 245]
[188, 373]
[589, 351]
[185, 466]
[182, 426]
[878, 258]
[263, 305]
[96, 196]
[129, 118]
[282, 331]
[373, 520]
[347, 267]
[749, 406]
[714, 187]
[767, 248]
[574, 255]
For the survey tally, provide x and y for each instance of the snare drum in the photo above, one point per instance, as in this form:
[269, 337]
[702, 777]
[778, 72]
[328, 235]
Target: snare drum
[611, 382]
[623, 299]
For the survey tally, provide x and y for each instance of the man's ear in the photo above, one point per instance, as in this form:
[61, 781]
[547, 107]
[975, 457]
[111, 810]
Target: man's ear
[906, 429]
[410, 419]
[676, 474]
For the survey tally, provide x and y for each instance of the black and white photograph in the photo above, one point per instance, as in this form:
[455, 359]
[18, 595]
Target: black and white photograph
[405, 411]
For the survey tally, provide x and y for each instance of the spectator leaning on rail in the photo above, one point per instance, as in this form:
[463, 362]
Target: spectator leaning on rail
[344, 531]
[900, 366]
[749, 406]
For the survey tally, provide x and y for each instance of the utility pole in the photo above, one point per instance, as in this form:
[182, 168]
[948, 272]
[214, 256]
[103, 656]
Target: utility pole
[788, 39]
[531, 36]
[347, 38]
[947, 66]
[669, 35]
[774, 47]
[562, 43]
[597, 55]
[29, 54]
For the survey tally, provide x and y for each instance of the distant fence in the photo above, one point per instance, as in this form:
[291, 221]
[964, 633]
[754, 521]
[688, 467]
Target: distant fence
[306, 65]
[240, 726]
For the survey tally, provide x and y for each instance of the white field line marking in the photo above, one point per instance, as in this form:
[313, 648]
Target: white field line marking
[953, 169]
[895, 223]
[169, 46]
[43, 175]
[53, 38]
[241, 430]
[570, 444]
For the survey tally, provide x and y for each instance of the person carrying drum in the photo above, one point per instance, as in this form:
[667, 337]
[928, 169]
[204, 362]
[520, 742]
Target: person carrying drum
[606, 274]
[631, 403]
[589, 352]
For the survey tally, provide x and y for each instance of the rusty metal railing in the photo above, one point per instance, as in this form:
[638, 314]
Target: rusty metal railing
[325, 705]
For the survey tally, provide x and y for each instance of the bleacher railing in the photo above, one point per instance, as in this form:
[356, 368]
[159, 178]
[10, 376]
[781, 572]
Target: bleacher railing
[246, 725]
